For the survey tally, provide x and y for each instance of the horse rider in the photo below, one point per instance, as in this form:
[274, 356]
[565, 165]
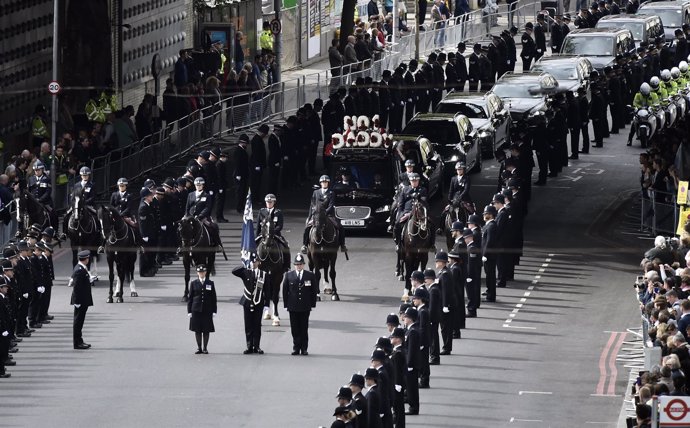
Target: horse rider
[199, 207]
[324, 197]
[39, 187]
[405, 200]
[270, 211]
[86, 184]
[459, 190]
[122, 201]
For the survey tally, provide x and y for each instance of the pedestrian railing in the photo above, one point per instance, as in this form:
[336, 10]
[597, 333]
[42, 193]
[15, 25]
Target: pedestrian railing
[659, 212]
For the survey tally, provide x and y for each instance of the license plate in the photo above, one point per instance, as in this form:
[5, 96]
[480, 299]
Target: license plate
[352, 222]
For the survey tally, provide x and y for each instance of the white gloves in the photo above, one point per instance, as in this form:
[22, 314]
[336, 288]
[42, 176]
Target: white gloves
[409, 369]
[220, 191]
[258, 168]
[5, 333]
[446, 310]
[214, 315]
[41, 289]
[238, 178]
[210, 192]
[163, 228]
[189, 314]
[277, 164]
[25, 295]
[145, 238]
[93, 278]
[484, 259]
[285, 157]
[469, 279]
[398, 388]
[77, 306]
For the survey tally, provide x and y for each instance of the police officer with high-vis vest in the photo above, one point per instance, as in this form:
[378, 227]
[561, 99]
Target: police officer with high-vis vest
[266, 39]
[107, 102]
[93, 108]
[39, 129]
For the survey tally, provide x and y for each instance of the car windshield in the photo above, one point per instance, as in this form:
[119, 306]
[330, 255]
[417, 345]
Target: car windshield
[375, 175]
[670, 18]
[636, 28]
[588, 46]
[512, 90]
[439, 132]
[559, 71]
[472, 111]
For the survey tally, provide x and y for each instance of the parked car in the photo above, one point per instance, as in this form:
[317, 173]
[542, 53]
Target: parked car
[673, 15]
[571, 72]
[452, 136]
[488, 115]
[644, 28]
[527, 96]
[599, 45]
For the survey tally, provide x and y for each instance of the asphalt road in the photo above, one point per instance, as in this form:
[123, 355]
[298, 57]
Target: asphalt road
[539, 356]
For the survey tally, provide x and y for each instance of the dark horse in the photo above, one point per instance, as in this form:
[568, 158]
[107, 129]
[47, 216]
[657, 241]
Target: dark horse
[415, 242]
[270, 255]
[120, 250]
[323, 249]
[197, 249]
[82, 228]
[458, 211]
[30, 211]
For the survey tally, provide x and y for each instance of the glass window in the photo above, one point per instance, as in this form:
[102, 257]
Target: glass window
[588, 46]
[439, 132]
[469, 110]
[670, 18]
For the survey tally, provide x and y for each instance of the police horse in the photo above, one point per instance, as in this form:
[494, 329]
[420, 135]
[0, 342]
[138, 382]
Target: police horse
[30, 211]
[120, 250]
[415, 241]
[271, 256]
[323, 249]
[82, 228]
[197, 248]
[457, 211]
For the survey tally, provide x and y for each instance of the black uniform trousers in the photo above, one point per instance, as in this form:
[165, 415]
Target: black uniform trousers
[299, 325]
[473, 85]
[436, 97]
[600, 130]
[220, 204]
[585, 137]
[242, 189]
[4, 351]
[447, 325]
[424, 369]
[574, 141]
[503, 265]
[473, 295]
[22, 314]
[435, 345]
[399, 409]
[312, 148]
[526, 63]
[396, 118]
[412, 389]
[255, 185]
[252, 327]
[409, 111]
[490, 272]
[274, 179]
[147, 261]
[35, 308]
[79, 317]
[458, 312]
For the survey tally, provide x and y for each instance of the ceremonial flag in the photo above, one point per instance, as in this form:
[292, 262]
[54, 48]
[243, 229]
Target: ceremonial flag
[248, 242]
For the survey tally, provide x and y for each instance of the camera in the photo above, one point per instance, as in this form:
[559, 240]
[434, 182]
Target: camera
[639, 283]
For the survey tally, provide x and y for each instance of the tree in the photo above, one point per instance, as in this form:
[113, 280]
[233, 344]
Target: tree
[347, 21]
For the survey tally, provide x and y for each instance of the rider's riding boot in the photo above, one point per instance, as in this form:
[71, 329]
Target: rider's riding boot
[305, 240]
[343, 248]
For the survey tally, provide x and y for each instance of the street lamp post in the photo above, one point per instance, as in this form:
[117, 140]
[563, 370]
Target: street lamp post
[53, 133]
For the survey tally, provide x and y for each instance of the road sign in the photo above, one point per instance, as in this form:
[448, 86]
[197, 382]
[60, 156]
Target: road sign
[674, 411]
[54, 87]
[276, 27]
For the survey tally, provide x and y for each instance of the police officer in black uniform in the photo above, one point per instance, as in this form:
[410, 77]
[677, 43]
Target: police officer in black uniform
[300, 294]
[123, 199]
[540, 37]
[474, 72]
[511, 49]
[253, 301]
[81, 297]
[271, 212]
[223, 186]
[148, 229]
[414, 356]
[474, 266]
[398, 359]
[39, 185]
[202, 307]
[165, 224]
[529, 48]
[257, 160]
[557, 34]
[461, 66]
[490, 251]
[241, 174]
[326, 199]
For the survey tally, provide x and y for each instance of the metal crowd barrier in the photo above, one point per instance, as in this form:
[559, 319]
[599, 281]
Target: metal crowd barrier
[659, 212]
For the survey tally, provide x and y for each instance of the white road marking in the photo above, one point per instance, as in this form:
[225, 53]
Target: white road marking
[526, 294]
[535, 392]
[541, 270]
[524, 420]
[517, 326]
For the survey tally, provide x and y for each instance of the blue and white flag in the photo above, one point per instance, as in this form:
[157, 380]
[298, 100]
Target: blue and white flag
[248, 242]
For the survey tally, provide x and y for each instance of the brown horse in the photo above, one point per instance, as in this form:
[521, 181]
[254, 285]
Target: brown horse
[415, 242]
[323, 249]
[270, 256]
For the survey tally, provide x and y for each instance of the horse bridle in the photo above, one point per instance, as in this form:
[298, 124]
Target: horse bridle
[264, 238]
[420, 228]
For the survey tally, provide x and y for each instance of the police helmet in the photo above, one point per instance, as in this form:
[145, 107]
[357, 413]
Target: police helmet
[324, 178]
[683, 67]
[149, 183]
[270, 198]
[85, 170]
[122, 181]
[409, 162]
[665, 75]
[460, 165]
[645, 89]
[653, 82]
[675, 72]
[39, 165]
[199, 180]
[414, 177]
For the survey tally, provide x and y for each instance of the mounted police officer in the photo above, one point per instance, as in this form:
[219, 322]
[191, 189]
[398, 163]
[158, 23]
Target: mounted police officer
[89, 195]
[252, 300]
[270, 211]
[405, 201]
[199, 207]
[326, 198]
[122, 200]
[39, 185]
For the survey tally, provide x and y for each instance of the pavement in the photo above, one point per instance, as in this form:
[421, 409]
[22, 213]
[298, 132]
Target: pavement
[542, 355]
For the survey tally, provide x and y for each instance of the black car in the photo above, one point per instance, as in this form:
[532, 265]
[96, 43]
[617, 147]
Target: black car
[452, 136]
[527, 96]
[488, 114]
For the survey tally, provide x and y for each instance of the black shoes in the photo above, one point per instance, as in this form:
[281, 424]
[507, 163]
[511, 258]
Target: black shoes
[305, 353]
[412, 412]
[435, 362]
[445, 352]
[258, 351]
[295, 353]
[221, 220]
[248, 351]
[198, 351]
[471, 314]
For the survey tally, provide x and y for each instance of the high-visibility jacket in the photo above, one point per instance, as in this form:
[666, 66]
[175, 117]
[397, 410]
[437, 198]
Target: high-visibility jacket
[108, 104]
[93, 112]
[38, 128]
[648, 101]
[266, 40]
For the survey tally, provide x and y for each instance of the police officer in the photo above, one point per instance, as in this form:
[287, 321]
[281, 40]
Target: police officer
[165, 223]
[148, 229]
[252, 301]
[507, 36]
[87, 185]
[540, 37]
[271, 212]
[5, 326]
[427, 329]
[460, 185]
[474, 266]
[406, 198]
[444, 278]
[202, 307]
[490, 251]
[39, 185]
[422, 90]
[597, 111]
[461, 67]
[414, 356]
[474, 73]
[300, 294]
[241, 174]
[325, 198]
[81, 297]
[123, 199]
[557, 35]
[195, 167]
[573, 123]
[398, 359]
[257, 159]
[24, 278]
[456, 267]
[211, 176]
[615, 100]
[504, 230]
[529, 48]
[223, 185]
